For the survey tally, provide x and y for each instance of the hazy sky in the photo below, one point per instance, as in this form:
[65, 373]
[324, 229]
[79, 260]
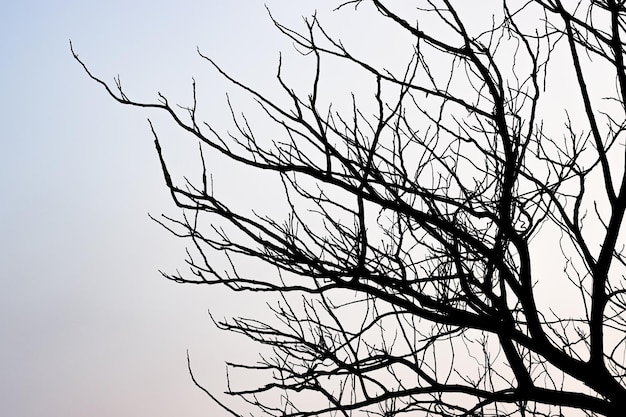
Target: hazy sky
[87, 325]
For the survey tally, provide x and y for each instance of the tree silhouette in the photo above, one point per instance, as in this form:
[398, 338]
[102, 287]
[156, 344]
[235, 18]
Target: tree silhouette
[410, 274]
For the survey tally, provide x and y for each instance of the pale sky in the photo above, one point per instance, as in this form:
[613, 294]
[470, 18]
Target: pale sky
[88, 327]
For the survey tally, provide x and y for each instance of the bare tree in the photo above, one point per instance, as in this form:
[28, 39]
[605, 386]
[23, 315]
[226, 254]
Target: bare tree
[408, 272]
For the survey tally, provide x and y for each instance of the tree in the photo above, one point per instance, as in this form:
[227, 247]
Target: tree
[410, 274]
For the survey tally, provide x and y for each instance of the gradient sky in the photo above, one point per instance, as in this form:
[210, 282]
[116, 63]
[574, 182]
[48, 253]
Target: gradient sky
[88, 327]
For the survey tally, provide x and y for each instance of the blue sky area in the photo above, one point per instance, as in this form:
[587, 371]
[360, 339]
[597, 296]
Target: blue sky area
[88, 327]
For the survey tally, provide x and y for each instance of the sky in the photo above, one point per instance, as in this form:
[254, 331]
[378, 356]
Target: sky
[88, 327]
